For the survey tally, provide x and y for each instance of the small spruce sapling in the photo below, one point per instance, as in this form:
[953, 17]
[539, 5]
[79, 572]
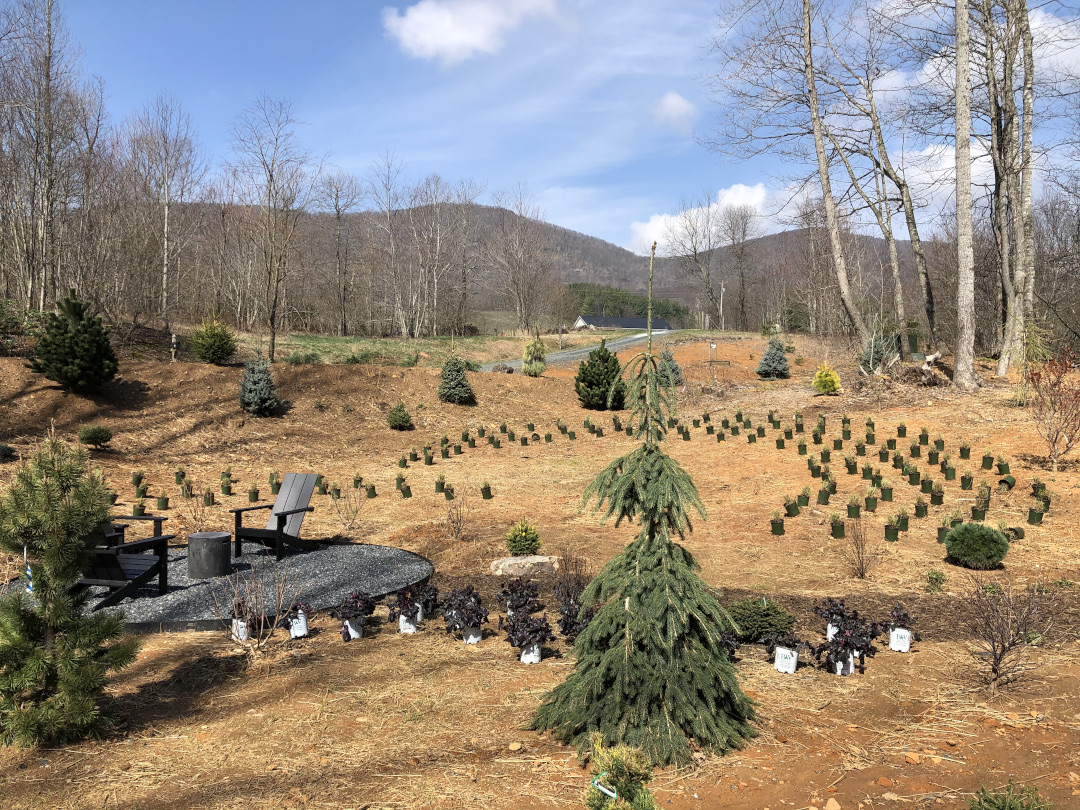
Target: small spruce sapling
[258, 393]
[774, 364]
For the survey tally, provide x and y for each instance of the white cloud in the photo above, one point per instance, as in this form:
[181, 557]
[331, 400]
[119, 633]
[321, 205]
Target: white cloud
[675, 111]
[643, 234]
[455, 30]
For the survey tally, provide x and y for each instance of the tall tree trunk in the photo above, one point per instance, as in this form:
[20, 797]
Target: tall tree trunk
[831, 219]
[964, 376]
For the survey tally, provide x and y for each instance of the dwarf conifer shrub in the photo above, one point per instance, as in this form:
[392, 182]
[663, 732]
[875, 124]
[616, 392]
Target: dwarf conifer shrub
[1011, 798]
[398, 418]
[75, 350]
[826, 380]
[670, 373]
[758, 619]
[975, 546]
[597, 382]
[258, 393]
[7, 452]
[523, 539]
[96, 436]
[454, 386]
[54, 654]
[774, 364]
[213, 342]
[532, 361]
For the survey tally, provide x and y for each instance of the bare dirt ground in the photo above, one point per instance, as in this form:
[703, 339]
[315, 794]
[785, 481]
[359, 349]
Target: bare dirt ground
[427, 722]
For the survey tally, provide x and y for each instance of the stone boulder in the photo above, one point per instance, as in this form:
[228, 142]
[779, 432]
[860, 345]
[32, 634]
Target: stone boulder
[528, 566]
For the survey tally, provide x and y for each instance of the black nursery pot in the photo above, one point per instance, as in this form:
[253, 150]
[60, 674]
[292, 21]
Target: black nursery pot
[777, 527]
[966, 481]
[788, 433]
[901, 432]
[965, 453]
[845, 433]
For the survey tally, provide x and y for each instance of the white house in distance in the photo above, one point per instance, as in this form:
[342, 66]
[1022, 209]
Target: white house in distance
[599, 322]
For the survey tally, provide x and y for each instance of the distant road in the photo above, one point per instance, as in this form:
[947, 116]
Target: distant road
[577, 355]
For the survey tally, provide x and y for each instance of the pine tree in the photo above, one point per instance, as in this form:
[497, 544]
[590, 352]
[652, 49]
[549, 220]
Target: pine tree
[453, 384]
[774, 363]
[597, 382]
[54, 657]
[652, 671]
[75, 350]
[258, 394]
[532, 361]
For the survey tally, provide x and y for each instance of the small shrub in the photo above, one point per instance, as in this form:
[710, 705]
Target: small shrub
[7, 452]
[759, 618]
[75, 350]
[669, 373]
[598, 377]
[532, 361]
[1011, 798]
[878, 353]
[522, 540]
[774, 364]
[96, 436]
[975, 546]
[258, 393]
[1003, 623]
[213, 342]
[623, 771]
[454, 386]
[358, 358]
[826, 380]
[299, 358]
[935, 581]
[410, 361]
[398, 418]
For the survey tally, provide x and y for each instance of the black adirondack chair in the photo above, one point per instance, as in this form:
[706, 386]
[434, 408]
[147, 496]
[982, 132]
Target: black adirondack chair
[286, 517]
[125, 566]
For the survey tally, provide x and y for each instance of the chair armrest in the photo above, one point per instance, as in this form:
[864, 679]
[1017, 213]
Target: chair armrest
[145, 517]
[251, 508]
[140, 545]
[288, 512]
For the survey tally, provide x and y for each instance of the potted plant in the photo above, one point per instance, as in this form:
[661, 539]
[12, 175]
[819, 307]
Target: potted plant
[719, 436]
[240, 620]
[967, 480]
[871, 438]
[886, 488]
[956, 517]
[836, 525]
[208, 497]
[179, 475]
[138, 509]
[697, 423]
[890, 444]
[926, 485]
[944, 528]
[915, 450]
[791, 506]
[804, 497]
[947, 468]
[405, 489]
[826, 456]
[485, 491]
[408, 609]
[913, 475]
[813, 466]
[709, 430]
[785, 651]
[937, 493]
[445, 452]
[1002, 466]
[833, 612]
[921, 508]
[352, 612]
[849, 647]
[295, 619]
[735, 428]
[802, 447]
[1035, 515]
[828, 480]
[901, 430]
[837, 444]
[471, 442]
[323, 487]
[779, 442]
[932, 456]
[892, 528]
[860, 448]
[924, 437]
[1037, 486]
[817, 436]
[464, 613]
[141, 490]
[777, 523]
[547, 436]
[253, 494]
[871, 499]
[788, 433]
[448, 492]
[987, 460]
[725, 423]
[519, 596]
[965, 449]
[854, 506]
[137, 478]
[898, 460]
[900, 632]
[527, 633]
[902, 519]
[760, 431]
[851, 465]
[599, 433]
[357, 481]
[823, 496]
[1012, 534]
[440, 482]
[162, 502]
[751, 438]
[867, 471]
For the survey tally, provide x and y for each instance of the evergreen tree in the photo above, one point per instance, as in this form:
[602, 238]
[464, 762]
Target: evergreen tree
[258, 394]
[652, 671]
[670, 372]
[774, 363]
[598, 382]
[453, 384]
[54, 657]
[75, 350]
[532, 362]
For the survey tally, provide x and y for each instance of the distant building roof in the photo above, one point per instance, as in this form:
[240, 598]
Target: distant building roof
[598, 322]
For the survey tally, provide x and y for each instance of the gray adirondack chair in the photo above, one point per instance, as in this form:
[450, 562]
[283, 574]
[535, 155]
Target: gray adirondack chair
[286, 517]
[123, 566]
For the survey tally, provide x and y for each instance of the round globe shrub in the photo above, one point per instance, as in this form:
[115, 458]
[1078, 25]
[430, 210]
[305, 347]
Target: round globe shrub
[760, 618]
[95, 435]
[398, 418]
[522, 540]
[826, 380]
[213, 342]
[975, 546]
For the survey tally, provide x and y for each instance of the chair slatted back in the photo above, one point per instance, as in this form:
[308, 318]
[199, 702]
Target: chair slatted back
[295, 493]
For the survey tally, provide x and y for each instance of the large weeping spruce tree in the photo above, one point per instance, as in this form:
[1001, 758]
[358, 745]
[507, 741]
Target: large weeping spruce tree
[651, 671]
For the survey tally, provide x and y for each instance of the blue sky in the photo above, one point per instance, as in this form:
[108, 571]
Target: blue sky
[592, 104]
